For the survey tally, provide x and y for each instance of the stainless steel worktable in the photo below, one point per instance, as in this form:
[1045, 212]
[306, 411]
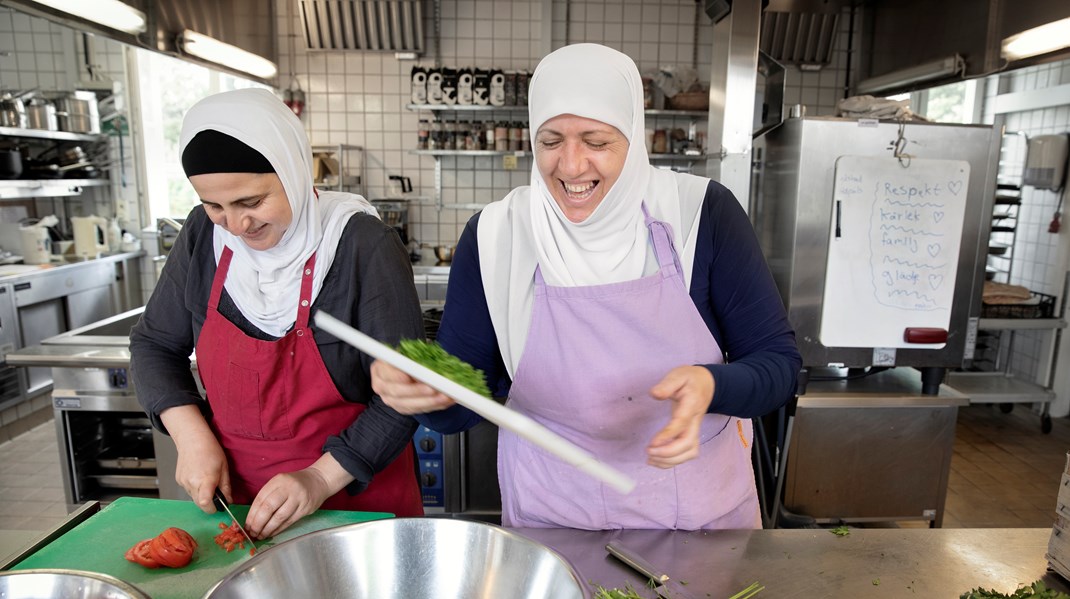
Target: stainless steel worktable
[814, 563]
[803, 563]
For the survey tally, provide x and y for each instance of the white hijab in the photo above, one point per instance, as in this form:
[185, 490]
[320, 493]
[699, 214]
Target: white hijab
[527, 228]
[266, 285]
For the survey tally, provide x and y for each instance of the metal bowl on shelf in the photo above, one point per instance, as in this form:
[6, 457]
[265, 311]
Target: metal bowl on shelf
[405, 558]
[65, 584]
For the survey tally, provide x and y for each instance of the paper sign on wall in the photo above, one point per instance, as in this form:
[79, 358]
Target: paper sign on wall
[893, 253]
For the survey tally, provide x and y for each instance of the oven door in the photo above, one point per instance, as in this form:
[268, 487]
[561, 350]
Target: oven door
[471, 474]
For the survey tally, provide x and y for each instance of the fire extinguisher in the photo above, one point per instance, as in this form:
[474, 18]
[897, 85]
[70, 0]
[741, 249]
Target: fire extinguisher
[294, 98]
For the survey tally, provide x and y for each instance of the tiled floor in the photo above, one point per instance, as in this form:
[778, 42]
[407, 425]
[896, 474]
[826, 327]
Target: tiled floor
[1004, 473]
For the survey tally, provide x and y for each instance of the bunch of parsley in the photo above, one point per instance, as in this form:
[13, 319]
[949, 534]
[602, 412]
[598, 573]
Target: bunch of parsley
[1037, 590]
[431, 355]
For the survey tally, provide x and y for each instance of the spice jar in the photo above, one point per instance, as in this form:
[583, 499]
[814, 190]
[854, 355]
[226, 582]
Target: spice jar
[514, 137]
[501, 136]
[661, 142]
[423, 135]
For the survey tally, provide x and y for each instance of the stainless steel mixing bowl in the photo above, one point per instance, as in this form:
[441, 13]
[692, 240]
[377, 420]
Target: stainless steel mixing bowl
[405, 558]
[65, 584]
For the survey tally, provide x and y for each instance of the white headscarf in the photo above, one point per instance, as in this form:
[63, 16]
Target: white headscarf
[266, 285]
[612, 244]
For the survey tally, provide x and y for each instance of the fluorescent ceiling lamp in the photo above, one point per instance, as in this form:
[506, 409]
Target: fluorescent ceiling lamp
[213, 50]
[929, 71]
[1038, 40]
[109, 13]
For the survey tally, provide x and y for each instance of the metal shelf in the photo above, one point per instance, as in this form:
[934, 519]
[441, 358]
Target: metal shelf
[50, 135]
[467, 107]
[997, 387]
[1020, 324]
[468, 153]
[488, 108]
[692, 157]
[30, 188]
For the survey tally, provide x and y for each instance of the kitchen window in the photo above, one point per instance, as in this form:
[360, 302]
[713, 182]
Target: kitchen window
[952, 103]
[166, 88]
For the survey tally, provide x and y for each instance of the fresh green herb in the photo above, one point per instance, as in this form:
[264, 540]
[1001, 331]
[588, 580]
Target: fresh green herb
[748, 592]
[1037, 590]
[876, 582]
[840, 531]
[431, 355]
[628, 592]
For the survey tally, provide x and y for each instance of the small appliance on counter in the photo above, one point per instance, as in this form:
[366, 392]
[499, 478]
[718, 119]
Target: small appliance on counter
[90, 236]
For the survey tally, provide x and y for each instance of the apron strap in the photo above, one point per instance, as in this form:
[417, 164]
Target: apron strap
[664, 251]
[220, 277]
[304, 306]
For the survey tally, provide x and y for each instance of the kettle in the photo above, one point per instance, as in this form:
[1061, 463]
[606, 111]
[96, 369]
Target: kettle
[90, 236]
[36, 245]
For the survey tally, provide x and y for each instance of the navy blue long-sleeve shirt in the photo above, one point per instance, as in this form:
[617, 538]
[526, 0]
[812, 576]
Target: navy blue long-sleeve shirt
[731, 286]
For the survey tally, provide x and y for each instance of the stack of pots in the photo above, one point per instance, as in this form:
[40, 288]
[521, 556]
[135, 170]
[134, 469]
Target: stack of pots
[77, 112]
[74, 111]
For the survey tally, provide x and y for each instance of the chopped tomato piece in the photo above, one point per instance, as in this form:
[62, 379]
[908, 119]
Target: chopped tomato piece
[231, 537]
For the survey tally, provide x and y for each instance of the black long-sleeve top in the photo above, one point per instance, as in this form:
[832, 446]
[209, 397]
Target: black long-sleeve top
[369, 286]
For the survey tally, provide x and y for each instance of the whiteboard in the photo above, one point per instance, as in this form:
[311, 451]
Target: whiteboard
[894, 237]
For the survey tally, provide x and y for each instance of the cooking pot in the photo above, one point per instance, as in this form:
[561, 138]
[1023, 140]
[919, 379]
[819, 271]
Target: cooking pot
[77, 112]
[405, 558]
[57, 584]
[444, 253]
[12, 111]
[41, 114]
[10, 164]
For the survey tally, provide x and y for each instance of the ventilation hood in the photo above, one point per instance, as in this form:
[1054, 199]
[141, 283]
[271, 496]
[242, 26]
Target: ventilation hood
[368, 25]
[899, 35]
[245, 24]
[800, 32]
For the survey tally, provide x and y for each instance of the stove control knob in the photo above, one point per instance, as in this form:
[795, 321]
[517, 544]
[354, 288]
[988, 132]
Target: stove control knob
[427, 444]
[428, 479]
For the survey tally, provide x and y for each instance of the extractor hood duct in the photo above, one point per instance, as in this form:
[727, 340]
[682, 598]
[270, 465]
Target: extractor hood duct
[800, 32]
[369, 25]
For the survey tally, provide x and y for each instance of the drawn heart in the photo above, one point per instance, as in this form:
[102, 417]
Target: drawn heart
[887, 277]
[934, 249]
[954, 187]
[938, 216]
[935, 280]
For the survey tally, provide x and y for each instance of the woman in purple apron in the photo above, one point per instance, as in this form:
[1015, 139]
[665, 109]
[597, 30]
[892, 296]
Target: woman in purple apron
[625, 307]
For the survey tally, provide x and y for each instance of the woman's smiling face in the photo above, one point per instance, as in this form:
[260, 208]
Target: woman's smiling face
[252, 206]
[579, 159]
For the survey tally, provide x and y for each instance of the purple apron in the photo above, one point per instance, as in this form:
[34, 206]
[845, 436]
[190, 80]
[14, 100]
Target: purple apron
[591, 356]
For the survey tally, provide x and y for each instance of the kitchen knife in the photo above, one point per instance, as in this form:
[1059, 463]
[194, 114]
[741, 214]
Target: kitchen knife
[221, 503]
[493, 411]
[664, 586]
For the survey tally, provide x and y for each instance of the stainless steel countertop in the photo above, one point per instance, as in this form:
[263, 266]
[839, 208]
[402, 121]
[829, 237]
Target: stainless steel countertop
[804, 563]
[70, 266]
[808, 563]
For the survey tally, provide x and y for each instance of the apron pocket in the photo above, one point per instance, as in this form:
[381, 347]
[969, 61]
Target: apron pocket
[250, 413]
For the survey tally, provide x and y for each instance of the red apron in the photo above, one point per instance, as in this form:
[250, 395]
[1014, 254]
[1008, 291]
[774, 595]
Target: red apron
[274, 405]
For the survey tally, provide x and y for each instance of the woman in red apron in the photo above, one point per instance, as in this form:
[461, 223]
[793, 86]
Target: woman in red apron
[291, 424]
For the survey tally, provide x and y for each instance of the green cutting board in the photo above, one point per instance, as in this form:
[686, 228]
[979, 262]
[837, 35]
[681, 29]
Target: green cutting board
[99, 543]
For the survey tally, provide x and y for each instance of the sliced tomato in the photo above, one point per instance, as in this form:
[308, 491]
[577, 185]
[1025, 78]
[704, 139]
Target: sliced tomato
[140, 554]
[173, 548]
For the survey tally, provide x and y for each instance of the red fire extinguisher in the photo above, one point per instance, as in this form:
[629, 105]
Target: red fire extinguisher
[294, 98]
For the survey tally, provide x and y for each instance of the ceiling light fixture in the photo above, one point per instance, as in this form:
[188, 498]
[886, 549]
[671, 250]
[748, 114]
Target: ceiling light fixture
[930, 71]
[213, 50]
[1038, 40]
[109, 13]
